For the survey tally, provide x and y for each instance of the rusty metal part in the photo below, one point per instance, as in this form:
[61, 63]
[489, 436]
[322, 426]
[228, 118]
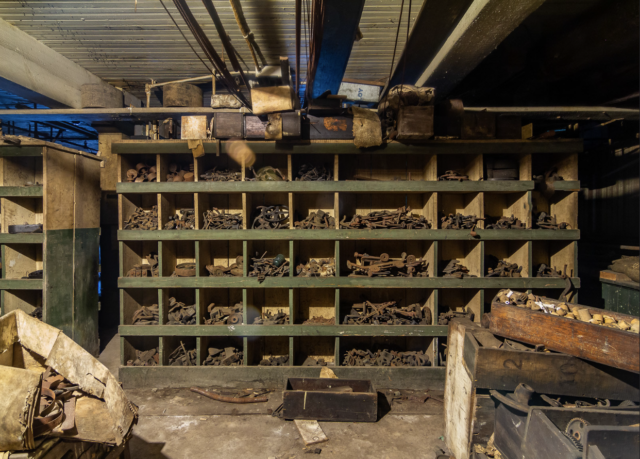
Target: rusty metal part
[148, 358]
[233, 270]
[311, 362]
[385, 358]
[402, 218]
[180, 173]
[268, 267]
[384, 266]
[267, 174]
[322, 267]
[181, 357]
[229, 356]
[454, 269]
[142, 173]
[271, 217]
[272, 361]
[280, 318]
[223, 315]
[180, 313]
[308, 173]
[184, 219]
[185, 270]
[320, 321]
[216, 219]
[459, 221]
[55, 411]
[149, 269]
[547, 271]
[453, 175]
[214, 175]
[146, 315]
[227, 398]
[501, 268]
[505, 223]
[546, 221]
[445, 317]
[317, 220]
[142, 219]
[388, 313]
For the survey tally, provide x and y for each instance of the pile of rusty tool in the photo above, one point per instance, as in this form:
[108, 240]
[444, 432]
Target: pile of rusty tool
[384, 266]
[388, 313]
[227, 357]
[546, 221]
[184, 219]
[142, 173]
[273, 361]
[233, 270]
[459, 221]
[453, 176]
[547, 271]
[34, 274]
[224, 315]
[263, 267]
[317, 220]
[320, 321]
[445, 317]
[149, 358]
[266, 174]
[311, 362]
[505, 223]
[385, 358]
[402, 218]
[185, 270]
[214, 175]
[280, 318]
[502, 268]
[180, 313]
[180, 173]
[216, 219]
[147, 315]
[180, 357]
[142, 219]
[149, 269]
[308, 173]
[454, 269]
[271, 217]
[322, 267]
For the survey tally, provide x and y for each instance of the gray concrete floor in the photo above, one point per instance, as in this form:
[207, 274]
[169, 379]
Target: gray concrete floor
[177, 424]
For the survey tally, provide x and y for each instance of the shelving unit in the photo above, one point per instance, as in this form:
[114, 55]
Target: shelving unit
[58, 187]
[398, 175]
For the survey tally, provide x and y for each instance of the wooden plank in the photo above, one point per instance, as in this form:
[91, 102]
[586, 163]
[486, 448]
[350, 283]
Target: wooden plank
[21, 284]
[87, 194]
[6, 238]
[59, 172]
[9, 151]
[58, 287]
[21, 191]
[86, 242]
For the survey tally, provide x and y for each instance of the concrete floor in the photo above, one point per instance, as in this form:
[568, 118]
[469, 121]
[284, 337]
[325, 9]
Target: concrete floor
[177, 424]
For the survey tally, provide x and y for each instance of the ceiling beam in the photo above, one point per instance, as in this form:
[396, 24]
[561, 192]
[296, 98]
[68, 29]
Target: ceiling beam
[484, 25]
[34, 71]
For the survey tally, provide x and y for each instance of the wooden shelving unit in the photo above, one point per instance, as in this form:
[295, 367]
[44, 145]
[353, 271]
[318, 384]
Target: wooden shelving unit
[58, 187]
[399, 175]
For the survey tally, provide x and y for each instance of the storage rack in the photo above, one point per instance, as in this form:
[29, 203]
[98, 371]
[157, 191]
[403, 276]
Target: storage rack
[403, 175]
[58, 187]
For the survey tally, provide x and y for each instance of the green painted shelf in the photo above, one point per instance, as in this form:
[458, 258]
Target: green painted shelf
[36, 238]
[21, 284]
[21, 191]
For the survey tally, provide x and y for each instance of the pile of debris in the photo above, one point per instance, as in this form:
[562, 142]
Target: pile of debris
[501, 268]
[269, 267]
[149, 358]
[402, 218]
[272, 361]
[388, 313]
[317, 220]
[180, 313]
[147, 315]
[311, 362]
[185, 270]
[142, 219]
[149, 269]
[385, 358]
[271, 217]
[308, 173]
[384, 266]
[456, 270]
[214, 175]
[216, 219]
[505, 223]
[184, 219]
[323, 267]
[234, 270]
[266, 174]
[180, 357]
[320, 321]
[229, 357]
[445, 317]
[142, 173]
[453, 176]
[280, 318]
[224, 315]
[459, 221]
[546, 221]
[547, 271]
[180, 173]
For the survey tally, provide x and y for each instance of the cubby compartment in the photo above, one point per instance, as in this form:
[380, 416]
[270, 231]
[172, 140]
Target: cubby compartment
[403, 298]
[130, 202]
[566, 165]
[489, 294]
[423, 204]
[183, 162]
[498, 205]
[461, 300]
[381, 167]
[219, 297]
[221, 163]
[19, 260]
[521, 162]
[554, 254]
[172, 343]
[136, 253]
[468, 253]
[182, 295]
[175, 204]
[219, 253]
[132, 299]
[315, 347]
[304, 204]
[264, 347]
[21, 171]
[133, 162]
[261, 301]
[175, 253]
[460, 203]
[466, 164]
[21, 211]
[509, 251]
[319, 303]
[305, 251]
[388, 343]
[131, 344]
[279, 162]
[256, 200]
[562, 204]
[219, 203]
[319, 162]
[395, 249]
[220, 343]
[270, 249]
[25, 300]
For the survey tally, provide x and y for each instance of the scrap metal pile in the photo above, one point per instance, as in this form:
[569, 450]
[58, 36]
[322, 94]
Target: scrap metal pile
[456, 270]
[309, 173]
[142, 219]
[180, 173]
[445, 317]
[216, 219]
[388, 313]
[266, 174]
[317, 220]
[384, 266]
[233, 270]
[149, 269]
[180, 313]
[459, 221]
[385, 358]
[142, 173]
[180, 357]
[546, 221]
[214, 175]
[547, 271]
[453, 176]
[311, 362]
[185, 219]
[320, 321]
[185, 270]
[223, 315]
[271, 217]
[501, 268]
[402, 218]
[506, 223]
[269, 267]
[229, 357]
[272, 361]
[147, 315]
[280, 318]
[323, 267]
[149, 358]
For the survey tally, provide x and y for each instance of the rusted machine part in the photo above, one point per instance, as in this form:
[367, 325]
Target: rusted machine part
[148, 358]
[459, 221]
[222, 315]
[317, 220]
[182, 357]
[142, 173]
[546, 221]
[402, 218]
[387, 313]
[181, 95]
[142, 219]
[308, 173]
[501, 268]
[445, 317]
[181, 173]
[320, 321]
[453, 176]
[456, 270]
[273, 361]
[384, 266]
[227, 357]
[180, 313]
[505, 223]
[227, 398]
[385, 358]
[267, 174]
[323, 267]
[149, 269]
[225, 175]
[268, 267]
[146, 315]
[185, 219]
[280, 318]
[234, 270]
[547, 271]
[185, 270]
[311, 362]
[271, 217]
[216, 219]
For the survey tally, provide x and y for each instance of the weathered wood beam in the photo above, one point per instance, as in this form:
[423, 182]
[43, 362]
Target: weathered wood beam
[34, 71]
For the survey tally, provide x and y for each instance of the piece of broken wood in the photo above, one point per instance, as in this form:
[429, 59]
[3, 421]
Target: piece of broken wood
[310, 431]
